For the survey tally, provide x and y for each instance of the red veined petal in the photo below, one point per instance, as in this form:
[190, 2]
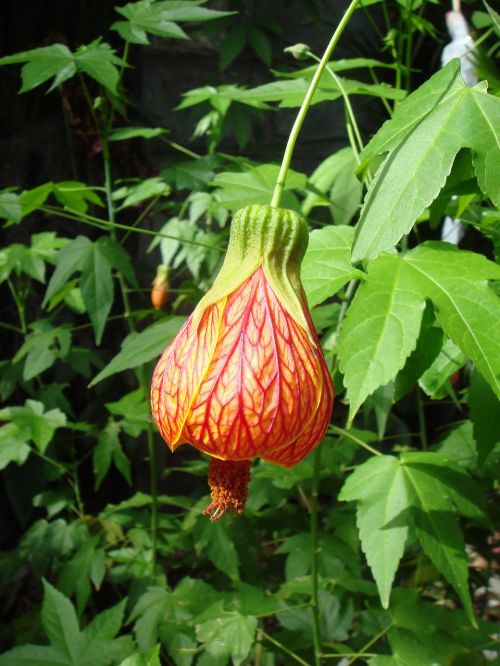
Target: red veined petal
[179, 372]
[263, 382]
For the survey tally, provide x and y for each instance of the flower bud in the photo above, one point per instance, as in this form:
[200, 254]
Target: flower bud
[159, 292]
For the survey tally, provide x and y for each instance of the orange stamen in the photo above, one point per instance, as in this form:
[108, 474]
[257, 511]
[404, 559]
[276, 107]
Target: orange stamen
[228, 481]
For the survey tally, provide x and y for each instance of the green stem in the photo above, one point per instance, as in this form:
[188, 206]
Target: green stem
[340, 655]
[284, 610]
[70, 214]
[287, 157]
[421, 419]
[409, 45]
[19, 305]
[10, 327]
[259, 647]
[284, 649]
[376, 80]
[314, 556]
[347, 102]
[140, 217]
[353, 438]
[154, 499]
[368, 645]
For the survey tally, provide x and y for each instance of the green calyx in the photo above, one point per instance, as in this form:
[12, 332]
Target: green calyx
[273, 238]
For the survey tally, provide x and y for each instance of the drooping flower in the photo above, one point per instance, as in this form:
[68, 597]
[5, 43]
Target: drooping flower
[245, 377]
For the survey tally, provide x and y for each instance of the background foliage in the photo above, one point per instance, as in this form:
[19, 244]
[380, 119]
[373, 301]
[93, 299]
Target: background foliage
[379, 548]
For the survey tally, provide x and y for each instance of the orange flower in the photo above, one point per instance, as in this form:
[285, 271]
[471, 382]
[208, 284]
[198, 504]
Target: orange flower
[245, 377]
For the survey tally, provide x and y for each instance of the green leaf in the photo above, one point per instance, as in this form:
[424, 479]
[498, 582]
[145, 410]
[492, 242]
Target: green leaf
[30, 200]
[231, 634]
[291, 93]
[380, 329]
[75, 195]
[379, 487]
[34, 423]
[422, 154]
[260, 44]
[101, 646]
[408, 651]
[34, 655]
[10, 206]
[145, 189]
[127, 133]
[69, 259]
[159, 18]
[327, 267]
[459, 444]
[60, 622]
[149, 658]
[435, 380]
[256, 185]
[96, 285]
[74, 577]
[429, 344]
[413, 110]
[455, 482]
[437, 529]
[483, 403]
[219, 546]
[467, 309]
[109, 448]
[13, 447]
[134, 410]
[231, 47]
[335, 177]
[99, 61]
[148, 613]
[106, 624]
[118, 258]
[42, 64]
[42, 347]
[145, 18]
[141, 347]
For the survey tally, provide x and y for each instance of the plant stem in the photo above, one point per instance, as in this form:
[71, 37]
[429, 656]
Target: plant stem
[154, 499]
[368, 645]
[358, 147]
[314, 556]
[102, 224]
[140, 217]
[279, 645]
[259, 648]
[421, 419]
[19, 306]
[287, 157]
[346, 433]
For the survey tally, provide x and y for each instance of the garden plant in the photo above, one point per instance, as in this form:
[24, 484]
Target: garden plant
[360, 529]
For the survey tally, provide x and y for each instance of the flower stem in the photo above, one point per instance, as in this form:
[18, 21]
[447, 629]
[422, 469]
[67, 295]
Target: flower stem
[287, 157]
[314, 556]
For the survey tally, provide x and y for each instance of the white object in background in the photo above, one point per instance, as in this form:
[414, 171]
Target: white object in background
[461, 46]
[452, 231]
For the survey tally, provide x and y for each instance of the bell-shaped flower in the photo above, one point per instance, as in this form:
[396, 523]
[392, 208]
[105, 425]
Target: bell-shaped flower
[245, 377]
